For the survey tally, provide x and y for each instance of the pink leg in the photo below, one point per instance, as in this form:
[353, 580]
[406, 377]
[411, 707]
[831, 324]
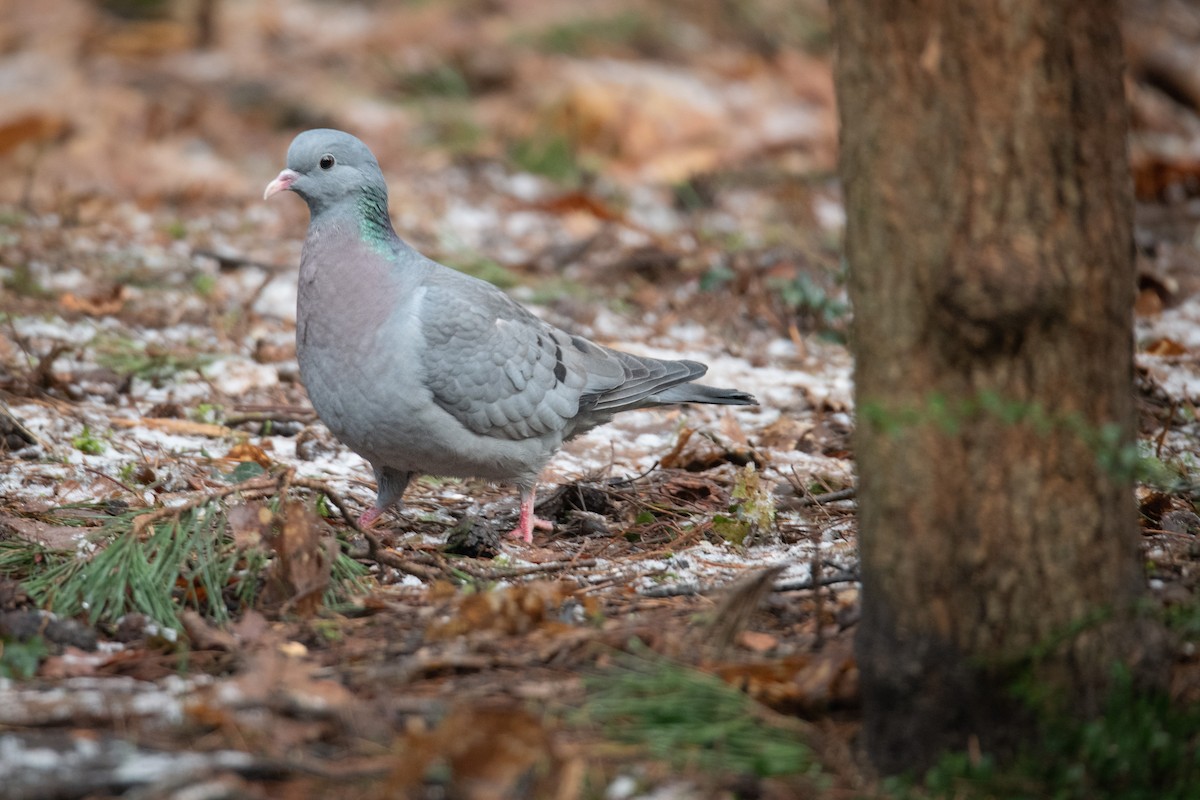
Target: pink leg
[528, 521]
[391, 484]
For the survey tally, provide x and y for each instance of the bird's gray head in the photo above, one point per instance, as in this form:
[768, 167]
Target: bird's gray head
[327, 167]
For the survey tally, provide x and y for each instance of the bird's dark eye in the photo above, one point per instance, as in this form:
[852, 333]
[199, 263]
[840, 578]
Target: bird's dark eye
[326, 161]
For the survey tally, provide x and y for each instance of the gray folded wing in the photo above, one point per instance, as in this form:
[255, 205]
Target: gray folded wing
[502, 372]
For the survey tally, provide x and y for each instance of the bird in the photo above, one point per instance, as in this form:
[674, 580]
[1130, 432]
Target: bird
[422, 369]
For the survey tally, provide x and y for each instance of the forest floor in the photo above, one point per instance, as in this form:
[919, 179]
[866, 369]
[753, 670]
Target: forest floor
[185, 607]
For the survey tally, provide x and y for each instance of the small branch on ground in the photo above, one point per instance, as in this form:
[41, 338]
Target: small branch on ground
[502, 573]
[228, 261]
[254, 485]
[387, 558]
[338, 501]
[821, 499]
[279, 416]
[800, 584]
[10, 424]
[111, 479]
[693, 589]
[617, 482]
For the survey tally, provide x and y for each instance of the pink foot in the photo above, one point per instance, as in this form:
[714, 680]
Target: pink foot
[368, 517]
[525, 532]
[527, 522]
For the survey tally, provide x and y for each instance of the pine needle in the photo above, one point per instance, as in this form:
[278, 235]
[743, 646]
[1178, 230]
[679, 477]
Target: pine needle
[691, 719]
[158, 563]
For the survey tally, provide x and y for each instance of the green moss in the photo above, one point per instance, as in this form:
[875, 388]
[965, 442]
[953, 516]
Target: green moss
[1142, 746]
[627, 32]
[440, 80]
[87, 442]
[152, 363]
[19, 660]
[486, 269]
[551, 156]
[450, 126]
[22, 281]
[204, 284]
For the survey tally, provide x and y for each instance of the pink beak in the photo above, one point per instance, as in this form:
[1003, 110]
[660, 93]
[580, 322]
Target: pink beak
[282, 183]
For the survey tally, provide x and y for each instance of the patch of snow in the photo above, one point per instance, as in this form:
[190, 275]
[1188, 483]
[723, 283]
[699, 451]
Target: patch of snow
[622, 788]
[464, 226]
[55, 329]
[521, 185]
[830, 213]
[236, 376]
[650, 209]
[170, 392]
[522, 224]
[278, 298]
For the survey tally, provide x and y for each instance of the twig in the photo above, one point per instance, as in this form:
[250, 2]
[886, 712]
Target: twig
[676, 590]
[303, 594]
[613, 484]
[183, 427]
[822, 499]
[20, 428]
[278, 416]
[808, 583]
[334, 497]
[254, 484]
[230, 261]
[275, 408]
[386, 558]
[285, 481]
[1162, 436]
[500, 573]
[122, 484]
[375, 550]
[694, 589]
[43, 374]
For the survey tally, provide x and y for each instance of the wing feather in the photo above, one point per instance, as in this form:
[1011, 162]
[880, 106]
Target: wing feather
[492, 365]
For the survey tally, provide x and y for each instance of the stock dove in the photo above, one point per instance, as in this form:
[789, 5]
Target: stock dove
[419, 368]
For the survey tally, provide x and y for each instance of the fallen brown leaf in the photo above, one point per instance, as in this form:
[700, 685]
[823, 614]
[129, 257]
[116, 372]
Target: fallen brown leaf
[181, 427]
[31, 127]
[204, 636]
[580, 201]
[511, 610]
[697, 452]
[801, 684]
[250, 524]
[1165, 347]
[299, 574]
[490, 752]
[784, 433]
[1148, 303]
[55, 537]
[244, 451]
[757, 641]
[96, 306]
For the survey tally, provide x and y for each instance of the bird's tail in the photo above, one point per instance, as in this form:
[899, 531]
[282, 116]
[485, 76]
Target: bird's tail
[700, 393]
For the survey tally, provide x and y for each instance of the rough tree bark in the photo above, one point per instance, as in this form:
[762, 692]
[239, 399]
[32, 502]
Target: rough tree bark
[989, 241]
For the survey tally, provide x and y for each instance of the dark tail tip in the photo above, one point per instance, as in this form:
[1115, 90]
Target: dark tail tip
[699, 393]
[730, 397]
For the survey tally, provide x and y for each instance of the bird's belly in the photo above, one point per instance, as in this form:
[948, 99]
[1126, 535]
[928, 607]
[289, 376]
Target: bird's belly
[375, 402]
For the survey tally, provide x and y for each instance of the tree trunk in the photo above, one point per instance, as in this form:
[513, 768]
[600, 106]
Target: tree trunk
[990, 249]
